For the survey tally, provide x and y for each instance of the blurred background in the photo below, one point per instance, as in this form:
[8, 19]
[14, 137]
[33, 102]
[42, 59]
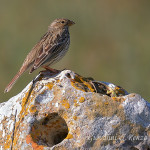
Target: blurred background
[109, 42]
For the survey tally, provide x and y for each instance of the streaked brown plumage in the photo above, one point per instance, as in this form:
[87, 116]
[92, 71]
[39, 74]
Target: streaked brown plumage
[50, 49]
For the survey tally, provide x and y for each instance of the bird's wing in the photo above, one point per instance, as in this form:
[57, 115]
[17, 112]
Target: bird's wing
[50, 47]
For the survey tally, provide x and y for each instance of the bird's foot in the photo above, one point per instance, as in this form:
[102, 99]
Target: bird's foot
[51, 70]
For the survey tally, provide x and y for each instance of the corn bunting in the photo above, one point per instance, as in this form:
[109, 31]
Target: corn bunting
[50, 49]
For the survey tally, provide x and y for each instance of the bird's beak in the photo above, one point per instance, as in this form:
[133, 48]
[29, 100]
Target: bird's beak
[70, 23]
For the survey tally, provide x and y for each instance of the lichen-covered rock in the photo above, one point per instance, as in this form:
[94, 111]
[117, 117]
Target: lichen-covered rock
[67, 111]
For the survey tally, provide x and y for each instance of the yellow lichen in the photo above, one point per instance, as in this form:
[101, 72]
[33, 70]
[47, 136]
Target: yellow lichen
[82, 84]
[46, 114]
[69, 136]
[71, 123]
[42, 92]
[118, 99]
[33, 109]
[65, 103]
[75, 117]
[7, 142]
[50, 85]
[58, 80]
[65, 116]
[114, 98]
[75, 103]
[89, 86]
[106, 103]
[75, 85]
[82, 99]
[78, 131]
[119, 90]
[26, 101]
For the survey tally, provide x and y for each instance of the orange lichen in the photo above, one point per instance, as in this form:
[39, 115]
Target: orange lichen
[75, 85]
[7, 142]
[65, 103]
[65, 116]
[42, 92]
[82, 84]
[46, 114]
[87, 83]
[75, 117]
[118, 99]
[71, 123]
[89, 86]
[26, 101]
[82, 99]
[58, 80]
[35, 146]
[114, 98]
[50, 85]
[119, 90]
[75, 103]
[69, 136]
[106, 103]
[33, 109]
[78, 131]
[105, 108]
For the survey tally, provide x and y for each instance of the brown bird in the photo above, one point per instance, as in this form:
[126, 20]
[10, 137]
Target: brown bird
[50, 49]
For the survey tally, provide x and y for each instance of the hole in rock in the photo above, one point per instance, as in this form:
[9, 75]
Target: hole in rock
[68, 75]
[49, 131]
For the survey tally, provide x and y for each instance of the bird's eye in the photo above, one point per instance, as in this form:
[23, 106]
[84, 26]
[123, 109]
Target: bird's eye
[63, 22]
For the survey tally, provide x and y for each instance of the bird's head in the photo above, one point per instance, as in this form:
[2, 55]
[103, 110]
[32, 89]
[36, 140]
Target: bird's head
[61, 23]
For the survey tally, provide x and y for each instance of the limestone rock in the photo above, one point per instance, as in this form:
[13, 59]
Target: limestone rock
[68, 111]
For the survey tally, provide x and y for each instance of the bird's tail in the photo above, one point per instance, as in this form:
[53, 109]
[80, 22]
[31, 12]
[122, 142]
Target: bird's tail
[13, 81]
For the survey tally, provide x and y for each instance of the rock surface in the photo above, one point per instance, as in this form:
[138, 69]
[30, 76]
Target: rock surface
[67, 111]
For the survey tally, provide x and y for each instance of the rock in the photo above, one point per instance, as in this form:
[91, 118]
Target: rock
[68, 111]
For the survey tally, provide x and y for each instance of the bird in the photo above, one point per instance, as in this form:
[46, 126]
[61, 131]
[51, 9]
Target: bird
[52, 46]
